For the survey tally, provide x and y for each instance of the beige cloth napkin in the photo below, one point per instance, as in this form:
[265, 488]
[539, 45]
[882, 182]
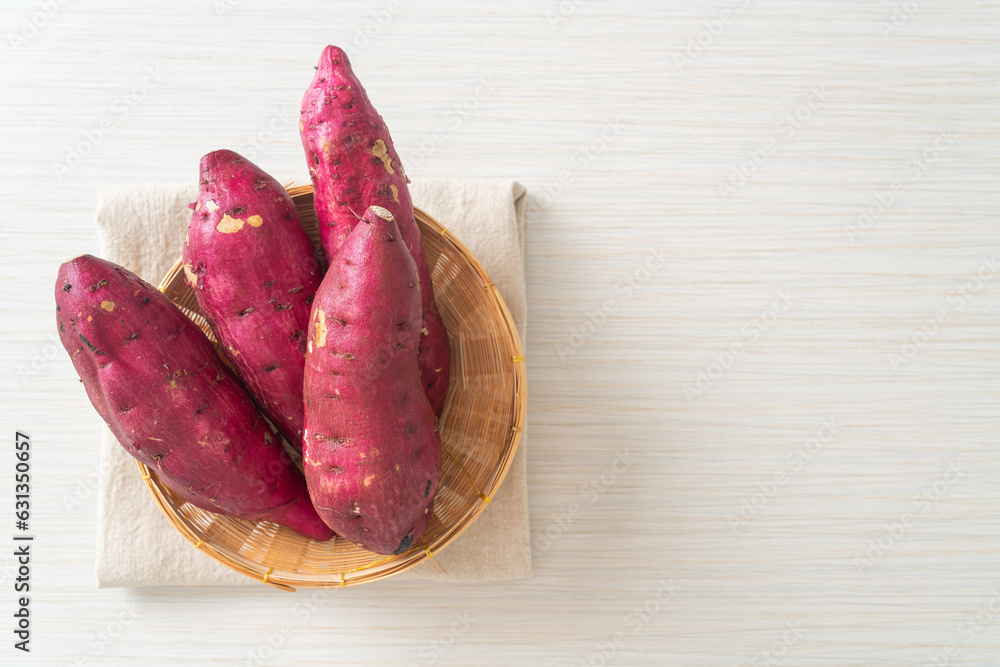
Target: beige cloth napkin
[143, 230]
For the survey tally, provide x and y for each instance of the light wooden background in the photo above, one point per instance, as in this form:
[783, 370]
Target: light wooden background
[625, 132]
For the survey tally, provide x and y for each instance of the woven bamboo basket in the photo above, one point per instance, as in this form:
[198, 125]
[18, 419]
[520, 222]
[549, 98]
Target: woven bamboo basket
[480, 430]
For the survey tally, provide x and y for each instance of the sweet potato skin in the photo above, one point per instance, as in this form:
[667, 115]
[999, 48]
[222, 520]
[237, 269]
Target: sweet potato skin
[254, 270]
[158, 383]
[354, 165]
[372, 455]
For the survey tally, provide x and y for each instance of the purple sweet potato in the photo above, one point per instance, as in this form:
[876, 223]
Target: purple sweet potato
[372, 454]
[166, 395]
[254, 271]
[354, 165]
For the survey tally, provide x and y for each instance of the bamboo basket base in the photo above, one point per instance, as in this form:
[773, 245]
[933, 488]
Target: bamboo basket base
[480, 430]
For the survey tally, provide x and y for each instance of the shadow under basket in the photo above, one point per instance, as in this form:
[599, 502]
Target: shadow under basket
[480, 431]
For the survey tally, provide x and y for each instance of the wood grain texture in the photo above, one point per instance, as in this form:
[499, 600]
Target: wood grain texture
[625, 135]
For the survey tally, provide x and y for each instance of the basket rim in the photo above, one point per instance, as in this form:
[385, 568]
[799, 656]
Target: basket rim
[382, 566]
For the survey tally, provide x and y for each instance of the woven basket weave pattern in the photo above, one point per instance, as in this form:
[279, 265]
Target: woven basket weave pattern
[480, 430]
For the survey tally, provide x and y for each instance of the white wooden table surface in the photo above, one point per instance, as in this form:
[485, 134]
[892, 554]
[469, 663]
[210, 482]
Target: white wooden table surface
[763, 316]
